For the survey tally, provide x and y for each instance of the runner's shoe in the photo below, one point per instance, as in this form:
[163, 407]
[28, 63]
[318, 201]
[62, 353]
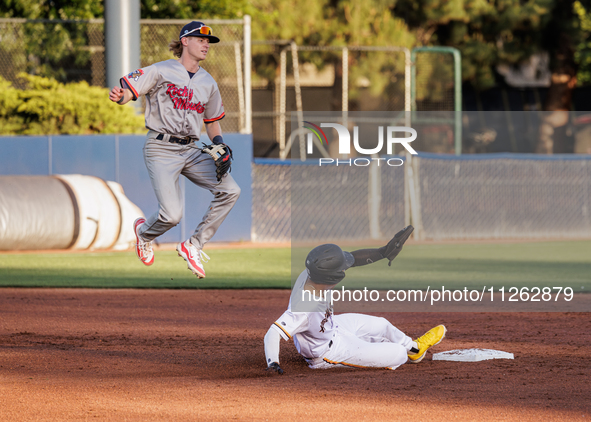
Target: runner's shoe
[143, 249]
[427, 340]
[193, 256]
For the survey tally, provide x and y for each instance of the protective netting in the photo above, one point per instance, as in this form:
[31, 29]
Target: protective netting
[493, 198]
[75, 50]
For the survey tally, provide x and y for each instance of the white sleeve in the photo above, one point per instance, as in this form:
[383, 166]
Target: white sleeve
[272, 340]
[291, 323]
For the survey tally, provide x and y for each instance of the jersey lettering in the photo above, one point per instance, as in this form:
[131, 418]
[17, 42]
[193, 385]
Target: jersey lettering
[181, 98]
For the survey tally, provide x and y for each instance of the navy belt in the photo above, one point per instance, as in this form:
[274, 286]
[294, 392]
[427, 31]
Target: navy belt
[175, 140]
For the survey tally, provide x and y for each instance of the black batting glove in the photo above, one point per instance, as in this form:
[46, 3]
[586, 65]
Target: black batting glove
[275, 368]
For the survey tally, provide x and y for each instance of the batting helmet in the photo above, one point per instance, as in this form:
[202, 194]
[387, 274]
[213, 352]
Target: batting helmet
[327, 263]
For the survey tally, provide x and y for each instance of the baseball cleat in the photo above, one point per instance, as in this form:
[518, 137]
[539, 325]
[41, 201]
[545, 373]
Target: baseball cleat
[426, 341]
[143, 249]
[193, 256]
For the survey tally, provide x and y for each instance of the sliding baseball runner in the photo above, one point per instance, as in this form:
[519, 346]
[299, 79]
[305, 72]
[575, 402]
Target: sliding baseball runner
[180, 97]
[327, 340]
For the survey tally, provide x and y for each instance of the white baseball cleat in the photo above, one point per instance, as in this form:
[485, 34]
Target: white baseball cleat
[143, 249]
[193, 256]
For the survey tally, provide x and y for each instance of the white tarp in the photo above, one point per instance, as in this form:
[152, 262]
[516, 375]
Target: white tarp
[64, 211]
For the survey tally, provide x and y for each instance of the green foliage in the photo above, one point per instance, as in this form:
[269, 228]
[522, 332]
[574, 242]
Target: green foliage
[193, 10]
[49, 107]
[486, 33]
[51, 48]
[330, 23]
[583, 53]
[51, 9]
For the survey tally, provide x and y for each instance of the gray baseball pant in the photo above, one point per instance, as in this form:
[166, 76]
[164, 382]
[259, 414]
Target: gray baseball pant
[165, 162]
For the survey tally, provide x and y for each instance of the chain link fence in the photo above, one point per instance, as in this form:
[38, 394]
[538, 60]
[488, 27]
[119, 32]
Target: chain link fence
[500, 197]
[290, 78]
[70, 50]
[304, 202]
[271, 202]
[66, 50]
[434, 83]
[489, 196]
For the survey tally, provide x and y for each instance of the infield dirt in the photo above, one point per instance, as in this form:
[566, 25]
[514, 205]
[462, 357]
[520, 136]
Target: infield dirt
[82, 354]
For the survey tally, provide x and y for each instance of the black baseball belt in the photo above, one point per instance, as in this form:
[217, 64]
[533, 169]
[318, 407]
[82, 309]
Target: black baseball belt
[175, 140]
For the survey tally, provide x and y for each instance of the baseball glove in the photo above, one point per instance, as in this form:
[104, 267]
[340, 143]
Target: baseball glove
[394, 246]
[275, 368]
[222, 156]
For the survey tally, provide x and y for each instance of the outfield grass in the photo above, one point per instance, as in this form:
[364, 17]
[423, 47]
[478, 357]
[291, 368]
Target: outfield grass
[228, 268]
[456, 266]
[418, 266]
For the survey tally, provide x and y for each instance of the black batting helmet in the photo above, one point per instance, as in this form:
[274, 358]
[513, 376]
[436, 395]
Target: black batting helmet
[327, 263]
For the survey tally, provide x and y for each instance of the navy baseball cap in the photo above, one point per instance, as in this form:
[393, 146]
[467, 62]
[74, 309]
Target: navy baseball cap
[198, 29]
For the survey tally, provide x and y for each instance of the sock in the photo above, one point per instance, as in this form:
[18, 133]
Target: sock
[414, 347]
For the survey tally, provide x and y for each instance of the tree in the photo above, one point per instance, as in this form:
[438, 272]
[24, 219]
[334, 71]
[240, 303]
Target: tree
[583, 51]
[61, 49]
[509, 31]
[193, 10]
[338, 23]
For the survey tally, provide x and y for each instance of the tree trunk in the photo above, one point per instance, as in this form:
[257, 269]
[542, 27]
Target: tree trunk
[336, 102]
[559, 41]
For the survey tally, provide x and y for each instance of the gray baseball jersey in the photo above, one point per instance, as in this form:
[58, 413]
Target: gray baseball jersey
[175, 103]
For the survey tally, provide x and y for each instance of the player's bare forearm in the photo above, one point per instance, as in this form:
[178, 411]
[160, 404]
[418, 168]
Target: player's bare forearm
[120, 95]
[213, 129]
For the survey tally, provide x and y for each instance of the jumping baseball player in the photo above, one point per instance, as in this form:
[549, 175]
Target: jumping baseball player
[327, 340]
[180, 97]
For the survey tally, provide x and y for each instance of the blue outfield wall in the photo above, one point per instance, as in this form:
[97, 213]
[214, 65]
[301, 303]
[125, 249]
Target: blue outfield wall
[120, 158]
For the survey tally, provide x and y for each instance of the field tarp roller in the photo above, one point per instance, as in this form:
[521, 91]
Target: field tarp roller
[64, 212]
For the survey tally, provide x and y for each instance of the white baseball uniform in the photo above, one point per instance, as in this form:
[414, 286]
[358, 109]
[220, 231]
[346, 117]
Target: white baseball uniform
[326, 340]
[177, 105]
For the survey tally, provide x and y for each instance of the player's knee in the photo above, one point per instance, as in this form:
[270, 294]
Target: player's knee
[171, 218]
[233, 192]
[176, 219]
[399, 357]
[383, 321]
[384, 324]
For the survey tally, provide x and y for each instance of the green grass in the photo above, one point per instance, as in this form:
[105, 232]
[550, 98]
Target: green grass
[456, 266]
[418, 266]
[228, 268]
